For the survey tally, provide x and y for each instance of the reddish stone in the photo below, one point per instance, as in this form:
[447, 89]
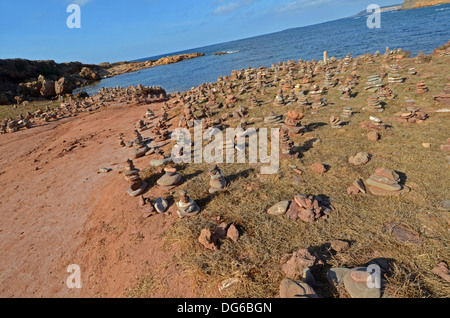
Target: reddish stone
[206, 239]
[378, 191]
[360, 276]
[339, 246]
[299, 261]
[442, 271]
[233, 233]
[373, 136]
[387, 173]
[445, 147]
[403, 234]
[352, 190]
[318, 168]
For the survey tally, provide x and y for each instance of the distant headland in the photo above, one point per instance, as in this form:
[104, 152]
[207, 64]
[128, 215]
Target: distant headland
[415, 4]
[407, 5]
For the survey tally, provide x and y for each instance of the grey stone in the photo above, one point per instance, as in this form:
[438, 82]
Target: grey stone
[139, 191]
[355, 282]
[280, 208]
[336, 275]
[160, 162]
[290, 288]
[161, 205]
[446, 205]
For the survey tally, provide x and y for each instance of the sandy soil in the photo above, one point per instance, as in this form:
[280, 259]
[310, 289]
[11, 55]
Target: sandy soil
[56, 210]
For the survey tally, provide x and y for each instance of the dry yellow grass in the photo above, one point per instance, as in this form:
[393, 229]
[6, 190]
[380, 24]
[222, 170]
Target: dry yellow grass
[8, 111]
[255, 258]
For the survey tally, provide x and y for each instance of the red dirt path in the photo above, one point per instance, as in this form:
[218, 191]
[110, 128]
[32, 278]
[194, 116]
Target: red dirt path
[66, 213]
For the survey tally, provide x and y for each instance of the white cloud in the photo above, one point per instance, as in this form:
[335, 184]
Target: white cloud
[230, 7]
[295, 6]
[79, 2]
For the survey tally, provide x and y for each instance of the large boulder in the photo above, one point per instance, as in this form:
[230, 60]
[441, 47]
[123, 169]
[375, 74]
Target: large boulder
[47, 87]
[63, 86]
[89, 74]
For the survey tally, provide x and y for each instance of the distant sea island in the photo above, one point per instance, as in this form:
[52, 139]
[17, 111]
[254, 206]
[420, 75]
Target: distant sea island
[407, 5]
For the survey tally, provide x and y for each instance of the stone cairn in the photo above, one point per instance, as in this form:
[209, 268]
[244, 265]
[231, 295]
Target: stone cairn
[186, 207]
[373, 105]
[293, 123]
[374, 123]
[286, 86]
[385, 182]
[130, 170]
[150, 114]
[307, 209]
[444, 97]
[412, 71]
[121, 141]
[346, 93]
[170, 179]
[421, 87]
[137, 185]
[292, 98]
[141, 125]
[139, 144]
[279, 100]
[217, 181]
[318, 102]
[273, 118]
[302, 99]
[385, 93]
[374, 83]
[328, 81]
[411, 114]
[347, 112]
[287, 145]
[335, 122]
[394, 75]
[352, 79]
[315, 91]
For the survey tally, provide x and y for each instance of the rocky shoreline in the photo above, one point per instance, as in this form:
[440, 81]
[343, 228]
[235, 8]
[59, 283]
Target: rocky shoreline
[25, 80]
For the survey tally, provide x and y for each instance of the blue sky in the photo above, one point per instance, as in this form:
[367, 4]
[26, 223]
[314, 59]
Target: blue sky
[126, 30]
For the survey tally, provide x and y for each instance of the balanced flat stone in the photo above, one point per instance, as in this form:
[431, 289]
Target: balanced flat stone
[383, 185]
[139, 191]
[355, 282]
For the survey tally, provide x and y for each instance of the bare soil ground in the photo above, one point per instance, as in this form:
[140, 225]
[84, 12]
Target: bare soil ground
[56, 210]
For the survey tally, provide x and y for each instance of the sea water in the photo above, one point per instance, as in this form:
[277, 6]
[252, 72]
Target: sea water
[413, 30]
